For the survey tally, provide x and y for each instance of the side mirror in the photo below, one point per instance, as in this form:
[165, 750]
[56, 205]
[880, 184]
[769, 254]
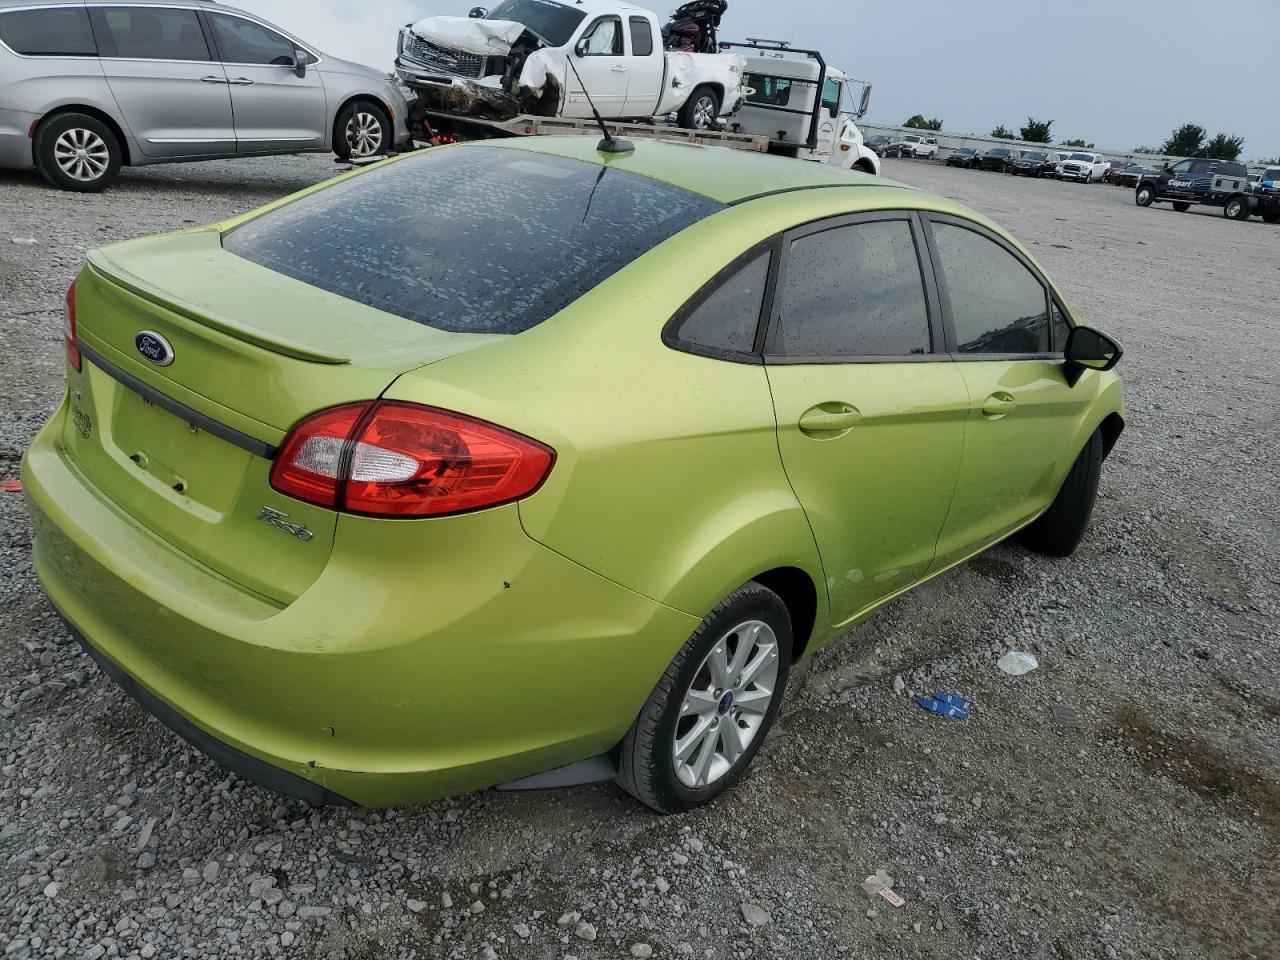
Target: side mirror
[477, 13]
[1087, 349]
[580, 48]
[300, 60]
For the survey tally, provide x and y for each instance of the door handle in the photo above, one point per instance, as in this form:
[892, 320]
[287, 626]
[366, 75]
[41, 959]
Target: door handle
[214, 80]
[241, 82]
[828, 419]
[998, 405]
[619, 69]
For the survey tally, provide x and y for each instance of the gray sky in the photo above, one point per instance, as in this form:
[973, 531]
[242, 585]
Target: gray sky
[1107, 74]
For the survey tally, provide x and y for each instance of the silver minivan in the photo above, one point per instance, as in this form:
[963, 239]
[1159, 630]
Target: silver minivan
[87, 86]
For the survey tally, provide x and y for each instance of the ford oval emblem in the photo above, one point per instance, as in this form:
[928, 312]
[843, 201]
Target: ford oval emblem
[154, 348]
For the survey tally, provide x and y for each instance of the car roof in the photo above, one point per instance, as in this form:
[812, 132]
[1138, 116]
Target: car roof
[4, 4]
[729, 176]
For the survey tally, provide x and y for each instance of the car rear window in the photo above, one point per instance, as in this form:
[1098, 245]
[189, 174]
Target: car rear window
[470, 239]
[56, 32]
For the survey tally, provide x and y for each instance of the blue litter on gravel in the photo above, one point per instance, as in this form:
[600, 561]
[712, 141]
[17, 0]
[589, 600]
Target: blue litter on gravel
[945, 705]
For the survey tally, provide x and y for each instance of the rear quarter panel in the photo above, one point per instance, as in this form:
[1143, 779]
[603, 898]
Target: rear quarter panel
[33, 87]
[668, 479]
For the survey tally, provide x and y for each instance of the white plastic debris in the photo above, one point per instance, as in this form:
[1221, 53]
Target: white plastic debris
[880, 884]
[491, 38]
[1016, 663]
[25, 241]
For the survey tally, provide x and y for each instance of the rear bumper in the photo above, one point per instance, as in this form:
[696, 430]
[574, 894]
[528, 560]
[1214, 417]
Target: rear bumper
[429, 658]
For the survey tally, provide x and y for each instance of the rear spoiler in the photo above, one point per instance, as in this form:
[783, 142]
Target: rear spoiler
[109, 270]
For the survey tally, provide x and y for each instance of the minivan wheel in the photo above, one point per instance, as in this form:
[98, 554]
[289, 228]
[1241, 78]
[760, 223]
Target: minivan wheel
[1059, 530]
[712, 708]
[75, 151]
[1145, 196]
[363, 130]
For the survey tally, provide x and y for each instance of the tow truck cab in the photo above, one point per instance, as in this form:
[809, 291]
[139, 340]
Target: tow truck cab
[1215, 183]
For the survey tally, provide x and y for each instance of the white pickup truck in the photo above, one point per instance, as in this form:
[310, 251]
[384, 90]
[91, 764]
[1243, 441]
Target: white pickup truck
[516, 60]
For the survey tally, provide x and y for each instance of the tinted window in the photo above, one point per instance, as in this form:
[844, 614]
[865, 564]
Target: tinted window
[1061, 329]
[553, 21]
[1229, 169]
[154, 33]
[775, 91]
[997, 304]
[605, 38]
[243, 41]
[63, 32]
[1201, 166]
[470, 239]
[853, 291]
[641, 37]
[727, 319]
[1181, 167]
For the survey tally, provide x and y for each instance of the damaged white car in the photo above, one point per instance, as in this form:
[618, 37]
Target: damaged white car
[516, 60]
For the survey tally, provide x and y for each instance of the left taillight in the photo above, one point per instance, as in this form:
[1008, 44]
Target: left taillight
[69, 328]
[395, 459]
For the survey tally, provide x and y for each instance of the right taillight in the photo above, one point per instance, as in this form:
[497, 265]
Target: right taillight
[69, 328]
[395, 459]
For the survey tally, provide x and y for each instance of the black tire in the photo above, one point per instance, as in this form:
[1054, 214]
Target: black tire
[1145, 195]
[1059, 530]
[1237, 208]
[77, 152]
[1181, 206]
[362, 129]
[646, 766]
[699, 112]
[1271, 216]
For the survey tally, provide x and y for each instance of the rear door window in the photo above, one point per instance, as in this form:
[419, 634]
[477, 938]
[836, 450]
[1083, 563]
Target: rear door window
[243, 41]
[852, 291]
[997, 305]
[153, 33]
[641, 37]
[470, 239]
[51, 32]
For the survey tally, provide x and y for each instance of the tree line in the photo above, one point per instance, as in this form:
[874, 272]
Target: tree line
[1188, 140]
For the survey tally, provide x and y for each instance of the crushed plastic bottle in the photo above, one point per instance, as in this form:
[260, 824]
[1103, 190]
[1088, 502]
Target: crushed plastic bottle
[1016, 663]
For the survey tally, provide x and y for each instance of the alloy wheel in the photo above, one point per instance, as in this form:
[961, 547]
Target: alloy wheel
[704, 113]
[364, 134]
[81, 154]
[725, 706]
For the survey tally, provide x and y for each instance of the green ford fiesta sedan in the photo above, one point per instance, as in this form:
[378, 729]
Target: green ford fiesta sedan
[524, 464]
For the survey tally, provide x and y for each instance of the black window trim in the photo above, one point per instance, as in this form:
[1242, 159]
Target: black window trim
[106, 43]
[932, 302]
[929, 218]
[97, 55]
[671, 329]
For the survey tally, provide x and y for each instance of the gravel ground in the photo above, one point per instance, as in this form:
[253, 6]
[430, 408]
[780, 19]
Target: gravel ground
[1151, 829]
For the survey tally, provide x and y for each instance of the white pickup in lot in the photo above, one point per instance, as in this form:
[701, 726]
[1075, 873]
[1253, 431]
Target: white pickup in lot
[517, 60]
[1085, 167]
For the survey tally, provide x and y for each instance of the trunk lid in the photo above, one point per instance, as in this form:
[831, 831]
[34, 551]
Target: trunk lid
[185, 448]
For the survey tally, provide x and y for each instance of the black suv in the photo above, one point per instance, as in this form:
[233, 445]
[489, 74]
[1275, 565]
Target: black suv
[997, 158]
[1029, 163]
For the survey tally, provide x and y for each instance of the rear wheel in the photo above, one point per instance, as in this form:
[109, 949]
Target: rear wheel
[78, 152]
[1236, 209]
[363, 129]
[1145, 196]
[702, 725]
[1059, 530]
[700, 110]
